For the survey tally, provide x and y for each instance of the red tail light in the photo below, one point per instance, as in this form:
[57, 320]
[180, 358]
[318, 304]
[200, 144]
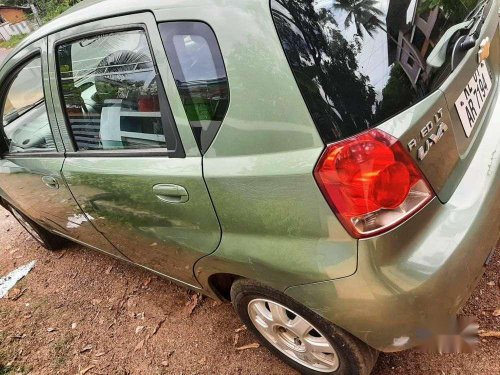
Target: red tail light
[371, 183]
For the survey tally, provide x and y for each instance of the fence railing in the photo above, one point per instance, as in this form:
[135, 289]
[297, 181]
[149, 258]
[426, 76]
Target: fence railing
[8, 30]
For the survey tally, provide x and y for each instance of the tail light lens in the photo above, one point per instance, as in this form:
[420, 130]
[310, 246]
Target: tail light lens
[371, 183]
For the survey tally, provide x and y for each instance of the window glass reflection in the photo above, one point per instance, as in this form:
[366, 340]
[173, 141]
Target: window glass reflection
[200, 75]
[25, 120]
[110, 91]
[25, 92]
[360, 62]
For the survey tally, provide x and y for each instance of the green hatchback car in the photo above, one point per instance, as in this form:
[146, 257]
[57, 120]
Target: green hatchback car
[331, 167]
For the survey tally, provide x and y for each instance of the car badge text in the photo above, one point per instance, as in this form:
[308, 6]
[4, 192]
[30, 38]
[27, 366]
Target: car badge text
[433, 137]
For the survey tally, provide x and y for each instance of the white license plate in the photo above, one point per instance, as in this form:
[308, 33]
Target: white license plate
[473, 98]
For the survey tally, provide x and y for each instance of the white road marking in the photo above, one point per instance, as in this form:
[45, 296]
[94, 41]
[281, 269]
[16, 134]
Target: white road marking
[8, 282]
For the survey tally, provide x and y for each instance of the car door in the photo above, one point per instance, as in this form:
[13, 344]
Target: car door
[132, 162]
[30, 166]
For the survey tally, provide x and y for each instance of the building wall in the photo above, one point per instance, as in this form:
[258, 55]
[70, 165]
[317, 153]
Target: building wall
[12, 15]
[411, 66]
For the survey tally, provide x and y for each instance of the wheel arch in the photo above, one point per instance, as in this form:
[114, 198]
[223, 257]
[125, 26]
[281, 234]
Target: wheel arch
[220, 285]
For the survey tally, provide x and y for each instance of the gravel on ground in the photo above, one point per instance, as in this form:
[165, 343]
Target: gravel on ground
[82, 312]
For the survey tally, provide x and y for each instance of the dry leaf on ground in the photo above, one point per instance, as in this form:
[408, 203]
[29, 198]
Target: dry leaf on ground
[192, 303]
[86, 348]
[241, 329]
[249, 346]
[139, 346]
[15, 293]
[85, 370]
[158, 326]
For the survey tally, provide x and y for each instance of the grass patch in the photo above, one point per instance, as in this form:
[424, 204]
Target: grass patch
[61, 350]
[11, 43]
[6, 370]
[39, 303]
[9, 367]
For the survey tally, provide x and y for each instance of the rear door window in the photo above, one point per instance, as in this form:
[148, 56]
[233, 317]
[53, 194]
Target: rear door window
[359, 63]
[112, 94]
[198, 68]
[24, 115]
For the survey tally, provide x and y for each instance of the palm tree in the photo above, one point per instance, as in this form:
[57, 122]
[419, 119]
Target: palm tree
[364, 14]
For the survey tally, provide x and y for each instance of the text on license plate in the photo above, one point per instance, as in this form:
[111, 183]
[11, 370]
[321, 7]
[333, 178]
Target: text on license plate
[473, 98]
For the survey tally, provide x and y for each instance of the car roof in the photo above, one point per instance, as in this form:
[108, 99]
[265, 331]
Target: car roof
[91, 10]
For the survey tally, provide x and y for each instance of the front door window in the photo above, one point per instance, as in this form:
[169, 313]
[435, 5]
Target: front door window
[24, 116]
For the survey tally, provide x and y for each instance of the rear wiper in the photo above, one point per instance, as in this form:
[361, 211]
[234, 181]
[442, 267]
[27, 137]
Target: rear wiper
[479, 17]
[473, 13]
[437, 57]
[474, 24]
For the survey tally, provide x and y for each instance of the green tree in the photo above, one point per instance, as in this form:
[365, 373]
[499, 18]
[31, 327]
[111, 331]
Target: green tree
[364, 14]
[455, 10]
[50, 9]
[344, 96]
[397, 94]
[13, 2]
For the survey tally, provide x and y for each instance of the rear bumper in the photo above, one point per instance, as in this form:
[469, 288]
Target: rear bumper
[421, 273]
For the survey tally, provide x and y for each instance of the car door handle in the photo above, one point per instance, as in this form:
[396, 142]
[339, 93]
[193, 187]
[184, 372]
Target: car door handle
[171, 193]
[51, 182]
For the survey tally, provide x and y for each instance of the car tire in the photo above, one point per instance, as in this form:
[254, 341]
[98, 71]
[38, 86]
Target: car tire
[47, 239]
[345, 354]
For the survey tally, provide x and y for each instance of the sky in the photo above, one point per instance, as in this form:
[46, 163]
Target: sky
[373, 58]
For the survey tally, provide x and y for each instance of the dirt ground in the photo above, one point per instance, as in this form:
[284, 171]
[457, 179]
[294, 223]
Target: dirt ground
[80, 312]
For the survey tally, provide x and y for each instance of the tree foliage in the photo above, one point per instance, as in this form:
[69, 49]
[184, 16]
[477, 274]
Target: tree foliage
[13, 2]
[364, 14]
[50, 9]
[344, 97]
[455, 10]
[397, 94]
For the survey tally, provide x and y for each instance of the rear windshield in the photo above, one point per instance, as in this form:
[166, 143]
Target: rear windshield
[360, 62]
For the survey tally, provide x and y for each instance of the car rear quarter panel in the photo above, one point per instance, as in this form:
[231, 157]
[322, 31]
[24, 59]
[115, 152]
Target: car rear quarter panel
[277, 226]
[415, 277]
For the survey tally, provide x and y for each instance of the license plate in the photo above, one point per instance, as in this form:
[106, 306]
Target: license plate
[473, 98]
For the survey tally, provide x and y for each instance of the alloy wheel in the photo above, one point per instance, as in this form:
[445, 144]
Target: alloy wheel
[293, 335]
